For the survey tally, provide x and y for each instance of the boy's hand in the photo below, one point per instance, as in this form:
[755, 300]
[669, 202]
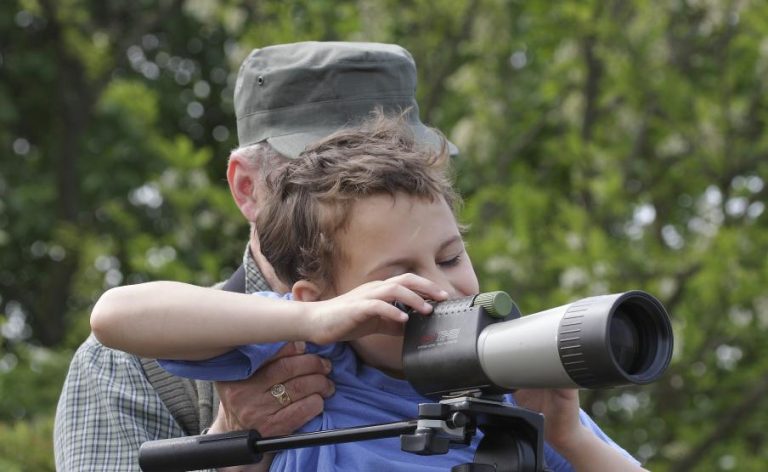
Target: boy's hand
[561, 413]
[369, 309]
[564, 431]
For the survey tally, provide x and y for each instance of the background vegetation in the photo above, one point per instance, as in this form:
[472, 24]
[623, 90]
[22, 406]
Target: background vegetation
[607, 145]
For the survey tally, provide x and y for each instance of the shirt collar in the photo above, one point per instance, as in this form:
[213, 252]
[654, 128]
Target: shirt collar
[254, 278]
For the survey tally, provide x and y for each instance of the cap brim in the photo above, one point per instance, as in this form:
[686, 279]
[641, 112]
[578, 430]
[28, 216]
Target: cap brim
[291, 145]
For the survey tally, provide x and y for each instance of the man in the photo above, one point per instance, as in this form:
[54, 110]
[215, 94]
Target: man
[286, 97]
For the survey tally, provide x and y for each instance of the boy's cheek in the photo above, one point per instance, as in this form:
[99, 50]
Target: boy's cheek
[381, 351]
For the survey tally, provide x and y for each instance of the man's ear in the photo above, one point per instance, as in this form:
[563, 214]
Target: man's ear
[306, 291]
[244, 183]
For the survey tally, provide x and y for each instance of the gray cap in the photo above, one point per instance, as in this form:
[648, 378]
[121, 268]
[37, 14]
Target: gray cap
[292, 95]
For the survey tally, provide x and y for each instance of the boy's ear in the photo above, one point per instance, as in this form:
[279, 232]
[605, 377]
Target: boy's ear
[244, 180]
[306, 291]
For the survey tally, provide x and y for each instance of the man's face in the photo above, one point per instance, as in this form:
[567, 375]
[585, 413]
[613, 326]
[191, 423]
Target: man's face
[387, 237]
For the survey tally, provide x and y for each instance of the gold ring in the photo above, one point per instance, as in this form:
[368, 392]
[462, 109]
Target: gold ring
[281, 394]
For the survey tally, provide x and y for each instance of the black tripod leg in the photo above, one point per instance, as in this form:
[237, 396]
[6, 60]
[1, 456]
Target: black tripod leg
[473, 468]
[501, 450]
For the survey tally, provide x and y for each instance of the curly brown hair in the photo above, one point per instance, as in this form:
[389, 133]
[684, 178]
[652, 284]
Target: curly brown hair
[310, 198]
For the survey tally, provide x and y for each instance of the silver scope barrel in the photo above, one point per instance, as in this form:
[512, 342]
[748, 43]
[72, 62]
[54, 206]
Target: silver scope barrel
[597, 342]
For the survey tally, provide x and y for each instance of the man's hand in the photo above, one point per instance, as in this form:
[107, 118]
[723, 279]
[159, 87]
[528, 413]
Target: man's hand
[248, 404]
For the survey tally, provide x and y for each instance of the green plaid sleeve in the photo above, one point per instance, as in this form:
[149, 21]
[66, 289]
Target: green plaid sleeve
[106, 410]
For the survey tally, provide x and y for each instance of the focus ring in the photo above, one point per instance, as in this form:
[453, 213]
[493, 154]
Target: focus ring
[570, 344]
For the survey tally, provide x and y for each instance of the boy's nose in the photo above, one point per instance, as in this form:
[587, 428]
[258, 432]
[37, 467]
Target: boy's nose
[443, 283]
[452, 292]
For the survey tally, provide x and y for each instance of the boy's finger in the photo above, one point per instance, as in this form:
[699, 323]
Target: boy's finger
[414, 300]
[390, 313]
[423, 286]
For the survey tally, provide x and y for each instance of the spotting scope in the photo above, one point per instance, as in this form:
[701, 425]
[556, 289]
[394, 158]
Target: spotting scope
[482, 343]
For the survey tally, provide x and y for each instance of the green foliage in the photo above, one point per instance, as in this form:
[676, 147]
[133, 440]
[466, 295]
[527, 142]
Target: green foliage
[33, 388]
[606, 146]
[25, 445]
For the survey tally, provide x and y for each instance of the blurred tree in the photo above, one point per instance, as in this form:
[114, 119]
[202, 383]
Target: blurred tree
[116, 120]
[606, 146]
[618, 145]
[127, 114]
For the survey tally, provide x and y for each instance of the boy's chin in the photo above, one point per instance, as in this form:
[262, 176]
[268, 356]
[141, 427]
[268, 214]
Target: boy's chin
[396, 374]
[382, 352]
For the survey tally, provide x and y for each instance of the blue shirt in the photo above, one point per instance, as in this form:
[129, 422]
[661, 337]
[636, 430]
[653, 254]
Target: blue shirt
[364, 396]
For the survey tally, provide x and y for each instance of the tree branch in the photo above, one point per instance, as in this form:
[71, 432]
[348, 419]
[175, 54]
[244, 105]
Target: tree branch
[591, 87]
[728, 422]
[436, 88]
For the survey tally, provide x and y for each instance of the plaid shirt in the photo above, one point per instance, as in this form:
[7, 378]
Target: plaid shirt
[108, 408]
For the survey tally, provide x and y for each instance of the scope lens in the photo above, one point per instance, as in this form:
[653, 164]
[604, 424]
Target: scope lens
[613, 340]
[628, 343]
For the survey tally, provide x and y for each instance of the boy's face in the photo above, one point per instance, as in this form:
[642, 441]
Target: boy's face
[388, 237]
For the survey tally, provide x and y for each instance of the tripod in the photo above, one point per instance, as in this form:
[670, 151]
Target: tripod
[513, 439]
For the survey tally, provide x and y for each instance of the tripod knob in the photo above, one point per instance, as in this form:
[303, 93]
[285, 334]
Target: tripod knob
[424, 442]
[457, 420]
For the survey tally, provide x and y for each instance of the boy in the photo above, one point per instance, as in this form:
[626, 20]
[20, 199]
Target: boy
[372, 215]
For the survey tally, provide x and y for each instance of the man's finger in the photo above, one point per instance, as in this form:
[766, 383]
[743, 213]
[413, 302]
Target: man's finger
[307, 385]
[292, 417]
[291, 349]
[284, 369]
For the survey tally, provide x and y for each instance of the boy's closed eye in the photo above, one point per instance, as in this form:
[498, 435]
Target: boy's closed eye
[452, 262]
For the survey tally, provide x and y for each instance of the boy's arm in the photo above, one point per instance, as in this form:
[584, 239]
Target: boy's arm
[573, 440]
[172, 320]
[586, 452]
